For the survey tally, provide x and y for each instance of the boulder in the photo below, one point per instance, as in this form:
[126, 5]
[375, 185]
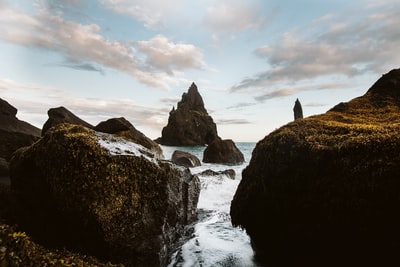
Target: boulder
[223, 152]
[185, 159]
[324, 190]
[102, 195]
[62, 115]
[13, 132]
[123, 128]
[4, 167]
[189, 124]
[230, 173]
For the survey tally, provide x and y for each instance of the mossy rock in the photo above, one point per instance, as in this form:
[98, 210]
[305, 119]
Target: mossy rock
[324, 190]
[126, 208]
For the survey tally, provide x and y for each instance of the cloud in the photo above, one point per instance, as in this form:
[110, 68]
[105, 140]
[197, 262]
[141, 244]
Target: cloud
[78, 66]
[232, 121]
[84, 45]
[242, 105]
[166, 56]
[151, 12]
[34, 109]
[333, 45]
[235, 15]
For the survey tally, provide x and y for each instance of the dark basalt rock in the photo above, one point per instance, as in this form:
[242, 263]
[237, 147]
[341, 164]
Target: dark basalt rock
[185, 159]
[189, 124]
[4, 167]
[62, 115]
[297, 110]
[123, 128]
[13, 132]
[230, 173]
[223, 152]
[324, 190]
[72, 192]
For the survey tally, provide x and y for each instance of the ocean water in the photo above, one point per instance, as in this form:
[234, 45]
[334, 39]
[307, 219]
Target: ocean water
[214, 241]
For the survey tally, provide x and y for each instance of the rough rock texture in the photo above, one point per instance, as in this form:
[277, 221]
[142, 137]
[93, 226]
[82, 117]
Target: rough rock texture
[13, 132]
[128, 207]
[324, 191]
[189, 124]
[230, 173]
[62, 115]
[223, 152]
[18, 249]
[4, 167]
[123, 128]
[185, 159]
[297, 110]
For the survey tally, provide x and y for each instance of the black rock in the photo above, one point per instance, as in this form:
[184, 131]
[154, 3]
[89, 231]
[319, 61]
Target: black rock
[297, 110]
[223, 152]
[62, 115]
[324, 190]
[185, 159]
[230, 173]
[189, 124]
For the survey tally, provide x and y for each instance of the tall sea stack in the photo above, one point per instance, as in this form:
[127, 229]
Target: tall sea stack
[189, 124]
[297, 110]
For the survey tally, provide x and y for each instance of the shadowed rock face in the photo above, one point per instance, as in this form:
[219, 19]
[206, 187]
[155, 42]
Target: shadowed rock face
[62, 115]
[185, 159]
[123, 128]
[297, 110]
[324, 190]
[73, 192]
[189, 124]
[223, 152]
[13, 132]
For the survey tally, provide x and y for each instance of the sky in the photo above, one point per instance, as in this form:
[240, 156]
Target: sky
[250, 59]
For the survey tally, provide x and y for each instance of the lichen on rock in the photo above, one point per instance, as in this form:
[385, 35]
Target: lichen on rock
[128, 208]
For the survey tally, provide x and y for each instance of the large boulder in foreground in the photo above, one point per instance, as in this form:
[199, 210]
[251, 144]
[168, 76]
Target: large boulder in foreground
[189, 124]
[223, 152]
[185, 159]
[123, 128]
[324, 191]
[13, 132]
[102, 195]
[62, 115]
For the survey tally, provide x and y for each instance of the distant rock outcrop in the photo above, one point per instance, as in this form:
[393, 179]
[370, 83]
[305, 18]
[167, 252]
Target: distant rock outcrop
[297, 110]
[324, 190]
[223, 152]
[62, 115]
[230, 173]
[13, 132]
[189, 124]
[123, 128]
[98, 193]
[185, 159]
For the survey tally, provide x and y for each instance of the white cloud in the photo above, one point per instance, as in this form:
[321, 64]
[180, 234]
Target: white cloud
[84, 43]
[167, 56]
[235, 15]
[150, 12]
[342, 46]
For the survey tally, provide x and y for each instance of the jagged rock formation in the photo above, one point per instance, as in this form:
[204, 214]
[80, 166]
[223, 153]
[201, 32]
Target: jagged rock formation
[223, 152]
[230, 173]
[189, 124]
[123, 128]
[102, 195]
[185, 159]
[324, 190]
[62, 115]
[297, 110]
[13, 134]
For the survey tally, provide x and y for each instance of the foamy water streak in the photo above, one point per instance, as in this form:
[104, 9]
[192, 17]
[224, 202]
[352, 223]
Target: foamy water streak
[215, 242]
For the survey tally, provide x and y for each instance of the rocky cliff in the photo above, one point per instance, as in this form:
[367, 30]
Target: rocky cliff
[189, 124]
[102, 195]
[62, 115]
[324, 190]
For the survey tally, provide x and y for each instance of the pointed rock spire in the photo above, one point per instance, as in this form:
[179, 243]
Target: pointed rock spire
[298, 111]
